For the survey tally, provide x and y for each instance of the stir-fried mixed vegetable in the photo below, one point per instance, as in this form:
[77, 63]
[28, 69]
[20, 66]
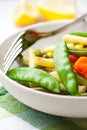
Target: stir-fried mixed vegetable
[56, 69]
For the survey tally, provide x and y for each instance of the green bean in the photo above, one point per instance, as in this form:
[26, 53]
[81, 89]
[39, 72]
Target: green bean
[64, 68]
[81, 80]
[20, 61]
[83, 94]
[34, 75]
[78, 52]
[83, 34]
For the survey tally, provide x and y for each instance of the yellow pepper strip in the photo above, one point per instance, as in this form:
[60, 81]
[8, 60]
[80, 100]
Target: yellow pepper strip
[75, 39]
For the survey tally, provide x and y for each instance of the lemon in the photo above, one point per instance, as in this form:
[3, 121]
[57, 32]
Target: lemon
[25, 14]
[57, 10]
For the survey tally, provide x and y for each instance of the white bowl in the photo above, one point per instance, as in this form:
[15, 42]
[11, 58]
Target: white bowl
[69, 106]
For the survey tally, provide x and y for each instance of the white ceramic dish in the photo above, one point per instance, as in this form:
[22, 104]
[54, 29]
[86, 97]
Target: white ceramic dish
[69, 106]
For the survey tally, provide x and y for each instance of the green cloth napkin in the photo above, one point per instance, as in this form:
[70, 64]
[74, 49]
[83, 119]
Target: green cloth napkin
[36, 119]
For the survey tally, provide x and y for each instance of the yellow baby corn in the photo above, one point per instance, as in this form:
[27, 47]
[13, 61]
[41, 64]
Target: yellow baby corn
[82, 88]
[55, 74]
[75, 39]
[49, 49]
[39, 61]
[44, 62]
[31, 57]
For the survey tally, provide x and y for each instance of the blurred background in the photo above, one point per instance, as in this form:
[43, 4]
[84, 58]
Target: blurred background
[17, 14]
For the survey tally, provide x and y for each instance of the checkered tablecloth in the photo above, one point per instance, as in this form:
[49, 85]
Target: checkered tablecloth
[16, 116]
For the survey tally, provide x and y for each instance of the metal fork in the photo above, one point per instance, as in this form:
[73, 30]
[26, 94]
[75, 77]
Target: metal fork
[28, 38]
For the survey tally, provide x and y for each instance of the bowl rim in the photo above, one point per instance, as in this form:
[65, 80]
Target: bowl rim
[30, 89]
[34, 26]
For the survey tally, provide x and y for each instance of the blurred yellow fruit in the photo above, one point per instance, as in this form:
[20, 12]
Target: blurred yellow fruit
[56, 10]
[25, 14]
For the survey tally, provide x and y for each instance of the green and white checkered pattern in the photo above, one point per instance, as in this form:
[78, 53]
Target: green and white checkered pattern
[16, 116]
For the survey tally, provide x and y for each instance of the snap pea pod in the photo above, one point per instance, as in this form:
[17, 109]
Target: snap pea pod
[83, 34]
[64, 68]
[78, 52]
[34, 75]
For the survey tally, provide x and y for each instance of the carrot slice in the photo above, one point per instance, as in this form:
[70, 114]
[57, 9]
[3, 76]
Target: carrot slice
[80, 66]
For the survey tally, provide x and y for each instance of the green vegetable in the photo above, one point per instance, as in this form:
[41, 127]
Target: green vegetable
[78, 52]
[83, 94]
[20, 61]
[38, 52]
[35, 76]
[64, 68]
[83, 34]
[81, 80]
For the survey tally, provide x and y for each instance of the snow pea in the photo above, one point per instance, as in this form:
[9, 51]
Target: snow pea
[64, 68]
[34, 75]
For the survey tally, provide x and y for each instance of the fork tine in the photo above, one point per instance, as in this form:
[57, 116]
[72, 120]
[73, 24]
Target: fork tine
[8, 55]
[10, 61]
[12, 53]
[11, 47]
[14, 42]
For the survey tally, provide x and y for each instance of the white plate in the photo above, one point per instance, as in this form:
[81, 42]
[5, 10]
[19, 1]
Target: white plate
[69, 106]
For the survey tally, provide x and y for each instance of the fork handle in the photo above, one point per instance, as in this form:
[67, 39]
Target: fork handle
[65, 27]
